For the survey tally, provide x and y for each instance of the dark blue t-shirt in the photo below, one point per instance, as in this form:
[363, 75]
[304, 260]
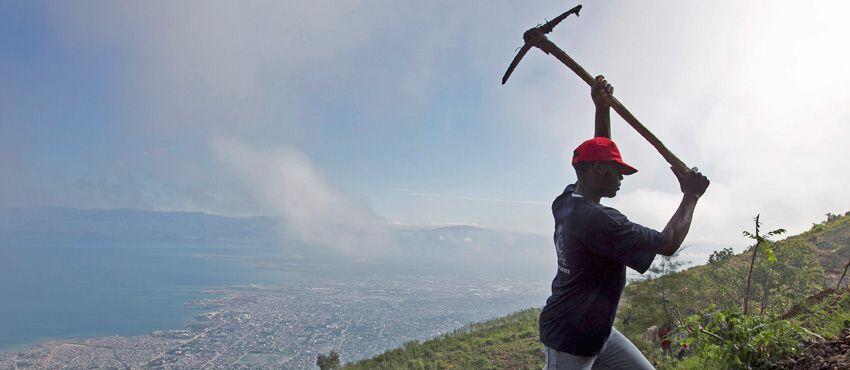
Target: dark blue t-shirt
[594, 245]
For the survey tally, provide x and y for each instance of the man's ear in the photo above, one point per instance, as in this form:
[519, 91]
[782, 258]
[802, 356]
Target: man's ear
[597, 167]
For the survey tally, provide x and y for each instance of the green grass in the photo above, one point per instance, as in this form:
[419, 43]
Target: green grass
[509, 342]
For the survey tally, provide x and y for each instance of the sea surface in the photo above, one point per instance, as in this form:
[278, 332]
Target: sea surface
[54, 290]
[59, 290]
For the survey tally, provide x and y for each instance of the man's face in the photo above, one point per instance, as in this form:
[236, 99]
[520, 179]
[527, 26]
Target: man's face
[610, 178]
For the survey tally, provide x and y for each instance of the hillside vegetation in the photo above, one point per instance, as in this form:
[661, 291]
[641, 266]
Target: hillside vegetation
[505, 342]
[792, 308]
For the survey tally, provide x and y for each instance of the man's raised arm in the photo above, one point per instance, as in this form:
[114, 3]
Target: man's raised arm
[600, 94]
[693, 185]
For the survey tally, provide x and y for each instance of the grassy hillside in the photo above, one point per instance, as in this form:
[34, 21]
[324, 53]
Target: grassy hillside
[805, 265]
[508, 342]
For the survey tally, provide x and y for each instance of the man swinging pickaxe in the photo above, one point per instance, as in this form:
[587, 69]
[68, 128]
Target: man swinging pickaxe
[594, 243]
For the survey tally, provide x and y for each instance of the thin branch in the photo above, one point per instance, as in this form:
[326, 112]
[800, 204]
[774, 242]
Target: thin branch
[752, 262]
[842, 276]
[701, 329]
[714, 335]
[813, 334]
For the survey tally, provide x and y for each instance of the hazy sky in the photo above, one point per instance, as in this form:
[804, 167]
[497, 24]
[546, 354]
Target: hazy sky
[363, 113]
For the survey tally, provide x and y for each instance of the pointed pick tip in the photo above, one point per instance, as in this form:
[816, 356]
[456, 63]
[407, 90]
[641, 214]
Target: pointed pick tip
[506, 76]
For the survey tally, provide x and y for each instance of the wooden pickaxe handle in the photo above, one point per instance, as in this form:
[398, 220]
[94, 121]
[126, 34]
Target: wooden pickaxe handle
[536, 38]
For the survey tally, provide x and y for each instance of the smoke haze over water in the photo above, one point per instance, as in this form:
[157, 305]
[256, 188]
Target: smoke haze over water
[284, 182]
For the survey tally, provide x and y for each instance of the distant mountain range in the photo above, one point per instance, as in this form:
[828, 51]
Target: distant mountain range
[133, 225]
[457, 244]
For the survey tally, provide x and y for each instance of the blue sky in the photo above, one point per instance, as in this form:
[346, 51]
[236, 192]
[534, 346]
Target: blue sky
[379, 112]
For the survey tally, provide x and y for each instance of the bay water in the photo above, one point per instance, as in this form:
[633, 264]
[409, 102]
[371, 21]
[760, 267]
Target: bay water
[57, 290]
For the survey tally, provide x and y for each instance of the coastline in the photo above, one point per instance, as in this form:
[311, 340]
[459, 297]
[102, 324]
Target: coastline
[257, 326]
[186, 315]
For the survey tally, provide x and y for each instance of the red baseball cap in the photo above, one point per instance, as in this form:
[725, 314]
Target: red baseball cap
[601, 149]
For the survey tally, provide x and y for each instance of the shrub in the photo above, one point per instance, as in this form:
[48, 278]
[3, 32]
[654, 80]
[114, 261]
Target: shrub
[729, 340]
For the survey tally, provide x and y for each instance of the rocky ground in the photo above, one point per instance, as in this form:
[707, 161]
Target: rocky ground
[833, 354]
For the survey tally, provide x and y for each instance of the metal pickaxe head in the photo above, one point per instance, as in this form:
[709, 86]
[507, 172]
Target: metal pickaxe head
[534, 35]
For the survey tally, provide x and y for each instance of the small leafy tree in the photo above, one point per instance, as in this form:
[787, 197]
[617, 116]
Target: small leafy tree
[718, 257]
[767, 275]
[768, 250]
[329, 361]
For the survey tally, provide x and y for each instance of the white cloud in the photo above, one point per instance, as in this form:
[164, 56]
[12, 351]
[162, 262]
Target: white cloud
[218, 68]
[284, 182]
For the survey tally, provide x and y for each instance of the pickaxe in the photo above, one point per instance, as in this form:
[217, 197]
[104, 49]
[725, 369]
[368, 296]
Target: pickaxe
[536, 37]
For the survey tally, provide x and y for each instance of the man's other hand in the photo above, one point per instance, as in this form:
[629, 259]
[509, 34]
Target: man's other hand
[692, 182]
[601, 92]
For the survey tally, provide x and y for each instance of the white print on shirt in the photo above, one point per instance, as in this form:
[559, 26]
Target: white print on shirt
[559, 248]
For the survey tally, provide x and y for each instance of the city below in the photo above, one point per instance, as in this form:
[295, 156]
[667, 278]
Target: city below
[259, 326]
